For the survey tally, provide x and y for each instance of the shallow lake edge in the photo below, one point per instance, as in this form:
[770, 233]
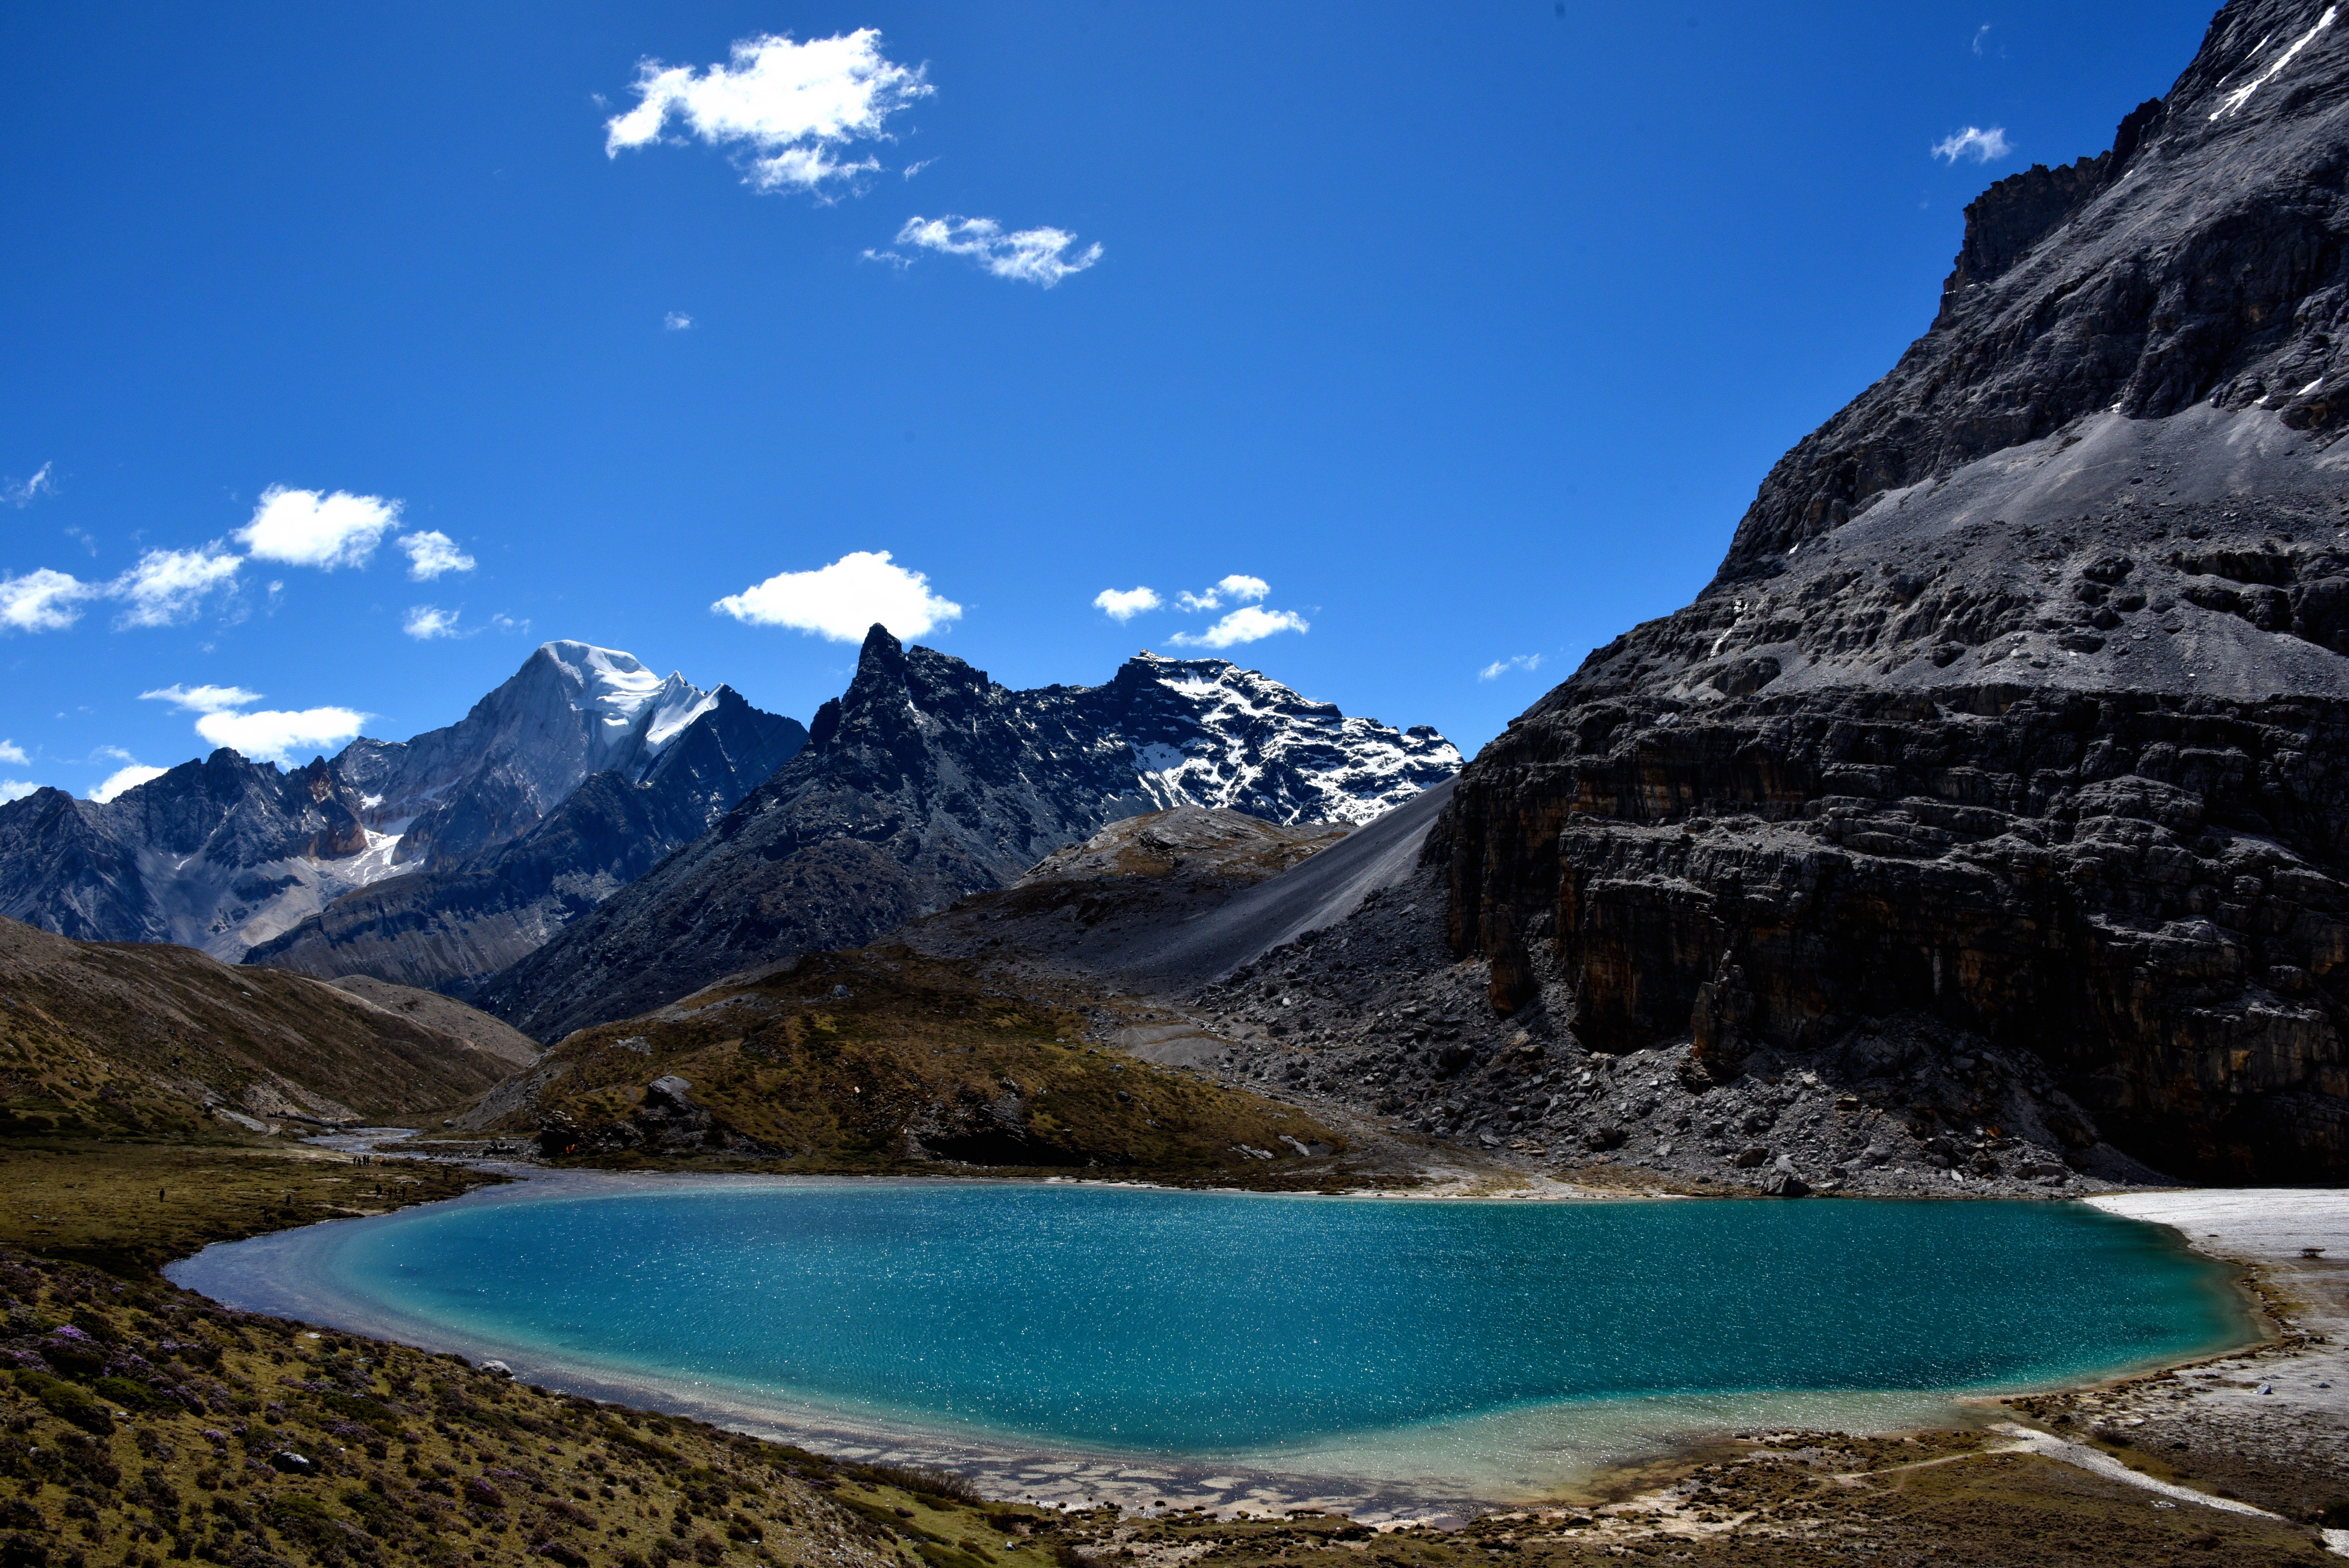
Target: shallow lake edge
[1136, 1481]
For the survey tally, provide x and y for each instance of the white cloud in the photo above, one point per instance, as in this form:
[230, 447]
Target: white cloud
[433, 554]
[1030, 256]
[1124, 603]
[14, 790]
[1499, 667]
[1239, 588]
[843, 600]
[913, 169]
[304, 528]
[22, 496]
[202, 698]
[426, 621]
[677, 321]
[44, 600]
[792, 105]
[1244, 625]
[508, 624]
[890, 257]
[272, 735]
[12, 752]
[125, 778]
[1981, 145]
[1980, 34]
[168, 586]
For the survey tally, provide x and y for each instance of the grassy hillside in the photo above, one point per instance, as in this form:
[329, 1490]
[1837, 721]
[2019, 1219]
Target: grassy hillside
[141, 1037]
[882, 1059]
[145, 1423]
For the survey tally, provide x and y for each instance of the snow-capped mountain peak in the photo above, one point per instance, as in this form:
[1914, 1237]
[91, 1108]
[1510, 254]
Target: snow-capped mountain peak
[1225, 735]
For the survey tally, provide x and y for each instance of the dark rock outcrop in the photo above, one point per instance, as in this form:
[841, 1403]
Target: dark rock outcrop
[2019, 707]
[926, 781]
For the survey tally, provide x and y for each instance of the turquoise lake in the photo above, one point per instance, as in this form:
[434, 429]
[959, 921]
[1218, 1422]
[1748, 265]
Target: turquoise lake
[1183, 1324]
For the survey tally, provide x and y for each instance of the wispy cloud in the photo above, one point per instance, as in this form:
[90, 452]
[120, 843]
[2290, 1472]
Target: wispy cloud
[23, 495]
[1499, 667]
[433, 554]
[1981, 145]
[794, 107]
[1249, 624]
[163, 588]
[1123, 604]
[306, 528]
[167, 587]
[269, 734]
[913, 169]
[202, 698]
[677, 321]
[426, 621]
[1239, 588]
[1980, 34]
[1041, 256]
[44, 600]
[129, 777]
[841, 601]
[503, 623]
[273, 735]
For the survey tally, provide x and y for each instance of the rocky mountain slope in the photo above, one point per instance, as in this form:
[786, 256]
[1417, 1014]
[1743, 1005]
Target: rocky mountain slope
[200, 856]
[926, 781]
[152, 1037]
[471, 916]
[225, 855]
[2018, 714]
[884, 1060]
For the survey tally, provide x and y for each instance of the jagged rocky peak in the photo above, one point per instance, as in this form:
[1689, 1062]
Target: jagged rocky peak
[228, 855]
[194, 856]
[1193, 732]
[1206, 732]
[2019, 710]
[571, 710]
[925, 781]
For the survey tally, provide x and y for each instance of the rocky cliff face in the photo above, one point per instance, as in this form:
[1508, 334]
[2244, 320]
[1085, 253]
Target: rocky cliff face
[2020, 705]
[926, 781]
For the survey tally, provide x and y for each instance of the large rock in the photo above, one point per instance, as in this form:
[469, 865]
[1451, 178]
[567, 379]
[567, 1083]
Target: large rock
[2020, 702]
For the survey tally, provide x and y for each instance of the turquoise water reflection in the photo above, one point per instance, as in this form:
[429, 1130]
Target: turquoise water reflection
[1178, 1323]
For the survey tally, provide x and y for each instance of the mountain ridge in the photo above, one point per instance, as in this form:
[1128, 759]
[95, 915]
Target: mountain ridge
[925, 781]
[227, 854]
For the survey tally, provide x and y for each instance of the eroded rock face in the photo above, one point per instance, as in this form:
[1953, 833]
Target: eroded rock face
[2019, 704]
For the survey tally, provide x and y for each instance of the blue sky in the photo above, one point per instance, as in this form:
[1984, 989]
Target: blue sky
[1441, 335]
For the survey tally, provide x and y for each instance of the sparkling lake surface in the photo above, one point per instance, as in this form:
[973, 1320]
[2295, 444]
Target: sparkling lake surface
[1199, 1325]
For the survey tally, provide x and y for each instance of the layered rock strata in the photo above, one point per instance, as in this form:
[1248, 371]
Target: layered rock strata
[2019, 708]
